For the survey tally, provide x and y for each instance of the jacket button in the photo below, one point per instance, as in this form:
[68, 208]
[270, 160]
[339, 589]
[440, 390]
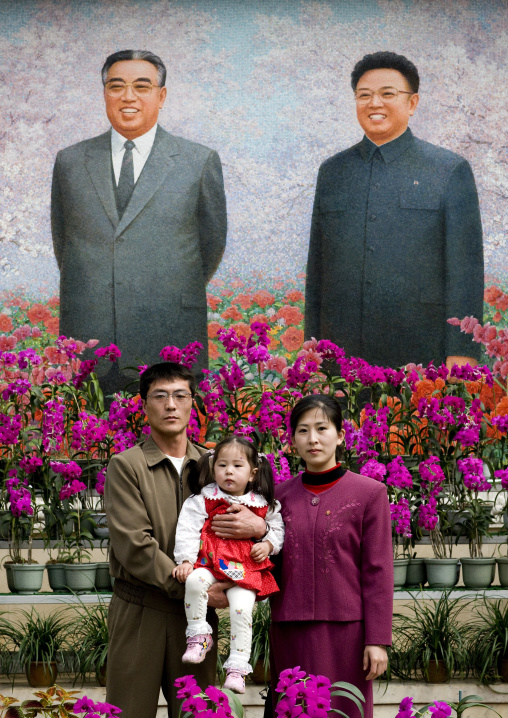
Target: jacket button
[372, 217]
[119, 240]
[315, 501]
[173, 593]
[110, 285]
[371, 249]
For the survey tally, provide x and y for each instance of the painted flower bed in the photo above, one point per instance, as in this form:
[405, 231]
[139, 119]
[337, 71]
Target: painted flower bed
[438, 439]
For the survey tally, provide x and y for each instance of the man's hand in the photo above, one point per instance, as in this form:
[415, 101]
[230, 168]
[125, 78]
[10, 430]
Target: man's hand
[375, 660]
[239, 522]
[182, 571]
[216, 596]
[261, 550]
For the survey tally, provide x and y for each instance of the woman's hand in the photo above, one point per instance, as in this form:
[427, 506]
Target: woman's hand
[261, 550]
[375, 660]
[182, 571]
[238, 522]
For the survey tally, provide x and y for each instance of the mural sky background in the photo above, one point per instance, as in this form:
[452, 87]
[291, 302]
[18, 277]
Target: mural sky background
[265, 83]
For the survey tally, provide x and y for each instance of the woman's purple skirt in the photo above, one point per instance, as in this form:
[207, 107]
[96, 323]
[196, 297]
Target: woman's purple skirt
[327, 648]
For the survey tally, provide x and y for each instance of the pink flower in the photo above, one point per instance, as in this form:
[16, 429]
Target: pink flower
[111, 352]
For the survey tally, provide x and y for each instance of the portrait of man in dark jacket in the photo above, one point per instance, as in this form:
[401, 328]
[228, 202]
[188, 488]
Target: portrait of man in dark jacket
[138, 224]
[396, 239]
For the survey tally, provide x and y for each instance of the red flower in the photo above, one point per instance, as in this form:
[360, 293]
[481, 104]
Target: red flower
[244, 300]
[292, 339]
[38, 313]
[7, 344]
[213, 352]
[261, 318]
[52, 325]
[492, 294]
[213, 328]
[5, 323]
[263, 298]
[54, 302]
[242, 329]
[291, 315]
[232, 313]
[294, 295]
[226, 293]
[213, 301]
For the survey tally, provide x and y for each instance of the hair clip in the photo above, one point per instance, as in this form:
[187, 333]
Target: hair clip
[211, 452]
[262, 456]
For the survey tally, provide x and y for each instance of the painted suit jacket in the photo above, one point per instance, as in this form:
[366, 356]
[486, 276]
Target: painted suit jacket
[138, 281]
[395, 250]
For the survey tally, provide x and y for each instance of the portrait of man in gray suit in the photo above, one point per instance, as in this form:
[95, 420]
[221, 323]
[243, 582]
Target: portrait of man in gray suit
[396, 239]
[138, 224]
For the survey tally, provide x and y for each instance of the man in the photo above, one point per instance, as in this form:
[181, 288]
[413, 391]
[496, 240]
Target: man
[144, 492]
[138, 222]
[396, 239]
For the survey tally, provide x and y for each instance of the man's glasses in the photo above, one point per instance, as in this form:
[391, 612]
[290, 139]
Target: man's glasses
[385, 94]
[115, 88]
[161, 397]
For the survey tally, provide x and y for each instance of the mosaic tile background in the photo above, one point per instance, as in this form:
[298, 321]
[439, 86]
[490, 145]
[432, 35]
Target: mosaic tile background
[266, 83]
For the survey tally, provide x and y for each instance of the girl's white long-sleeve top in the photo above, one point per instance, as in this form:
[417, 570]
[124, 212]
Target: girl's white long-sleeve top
[193, 516]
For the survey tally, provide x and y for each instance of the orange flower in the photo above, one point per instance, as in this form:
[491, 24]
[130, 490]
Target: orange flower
[291, 315]
[490, 396]
[52, 325]
[473, 387]
[502, 407]
[213, 301]
[294, 295]
[5, 323]
[263, 298]
[244, 300]
[242, 329]
[274, 343]
[38, 313]
[492, 294]
[497, 317]
[213, 328]
[232, 313]
[426, 388]
[292, 339]
[213, 352]
[54, 302]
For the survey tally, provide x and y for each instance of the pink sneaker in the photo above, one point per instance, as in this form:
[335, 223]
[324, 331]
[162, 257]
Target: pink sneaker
[197, 648]
[235, 681]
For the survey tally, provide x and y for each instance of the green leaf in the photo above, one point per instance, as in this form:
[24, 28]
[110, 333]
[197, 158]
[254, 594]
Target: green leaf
[234, 702]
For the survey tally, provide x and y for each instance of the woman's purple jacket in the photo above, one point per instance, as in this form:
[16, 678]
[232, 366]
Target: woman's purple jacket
[337, 558]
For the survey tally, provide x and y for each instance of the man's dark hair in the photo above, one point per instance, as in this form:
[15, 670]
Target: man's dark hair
[386, 61]
[122, 55]
[165, 371]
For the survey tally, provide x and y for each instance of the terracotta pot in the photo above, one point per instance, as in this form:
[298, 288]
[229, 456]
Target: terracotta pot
[41, 675]
[258, 674]
[437, 672]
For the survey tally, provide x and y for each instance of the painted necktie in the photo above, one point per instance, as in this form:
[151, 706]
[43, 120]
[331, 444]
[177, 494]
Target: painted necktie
[126, 180]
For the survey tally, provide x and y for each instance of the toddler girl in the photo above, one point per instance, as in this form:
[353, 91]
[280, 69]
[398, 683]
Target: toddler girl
[236, 474]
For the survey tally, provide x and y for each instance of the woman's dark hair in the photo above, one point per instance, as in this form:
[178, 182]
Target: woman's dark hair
[385, 60]
[330, 407]
[262, 483]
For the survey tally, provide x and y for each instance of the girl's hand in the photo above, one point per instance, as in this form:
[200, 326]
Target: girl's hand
[261, 550]
[182, 571]
[375, 660]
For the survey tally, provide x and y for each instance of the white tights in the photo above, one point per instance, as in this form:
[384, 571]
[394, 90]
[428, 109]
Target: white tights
[241, 602]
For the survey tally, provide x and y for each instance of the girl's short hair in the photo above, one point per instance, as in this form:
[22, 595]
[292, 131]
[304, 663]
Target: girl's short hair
[262, 482]
[330, 407]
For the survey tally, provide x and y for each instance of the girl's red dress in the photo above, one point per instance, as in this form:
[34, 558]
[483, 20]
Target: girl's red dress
[229, 559]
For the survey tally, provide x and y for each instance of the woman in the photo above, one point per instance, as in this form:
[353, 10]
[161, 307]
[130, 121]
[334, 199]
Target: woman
[333, 615]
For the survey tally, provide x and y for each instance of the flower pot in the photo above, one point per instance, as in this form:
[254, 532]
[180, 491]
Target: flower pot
[80, 577]
[100, 529]
[477, 572]
[416, 573]
[400, 571]
[505, 519]
[24, 578]
[103, 577]
[258, 674]
[442, 572]
[502, 567]
[41, 675]
[56, 577]
[437, 672]
[503, 669]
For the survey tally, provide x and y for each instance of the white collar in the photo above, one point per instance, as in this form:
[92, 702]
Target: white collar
[212, 491]
[144, 143]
